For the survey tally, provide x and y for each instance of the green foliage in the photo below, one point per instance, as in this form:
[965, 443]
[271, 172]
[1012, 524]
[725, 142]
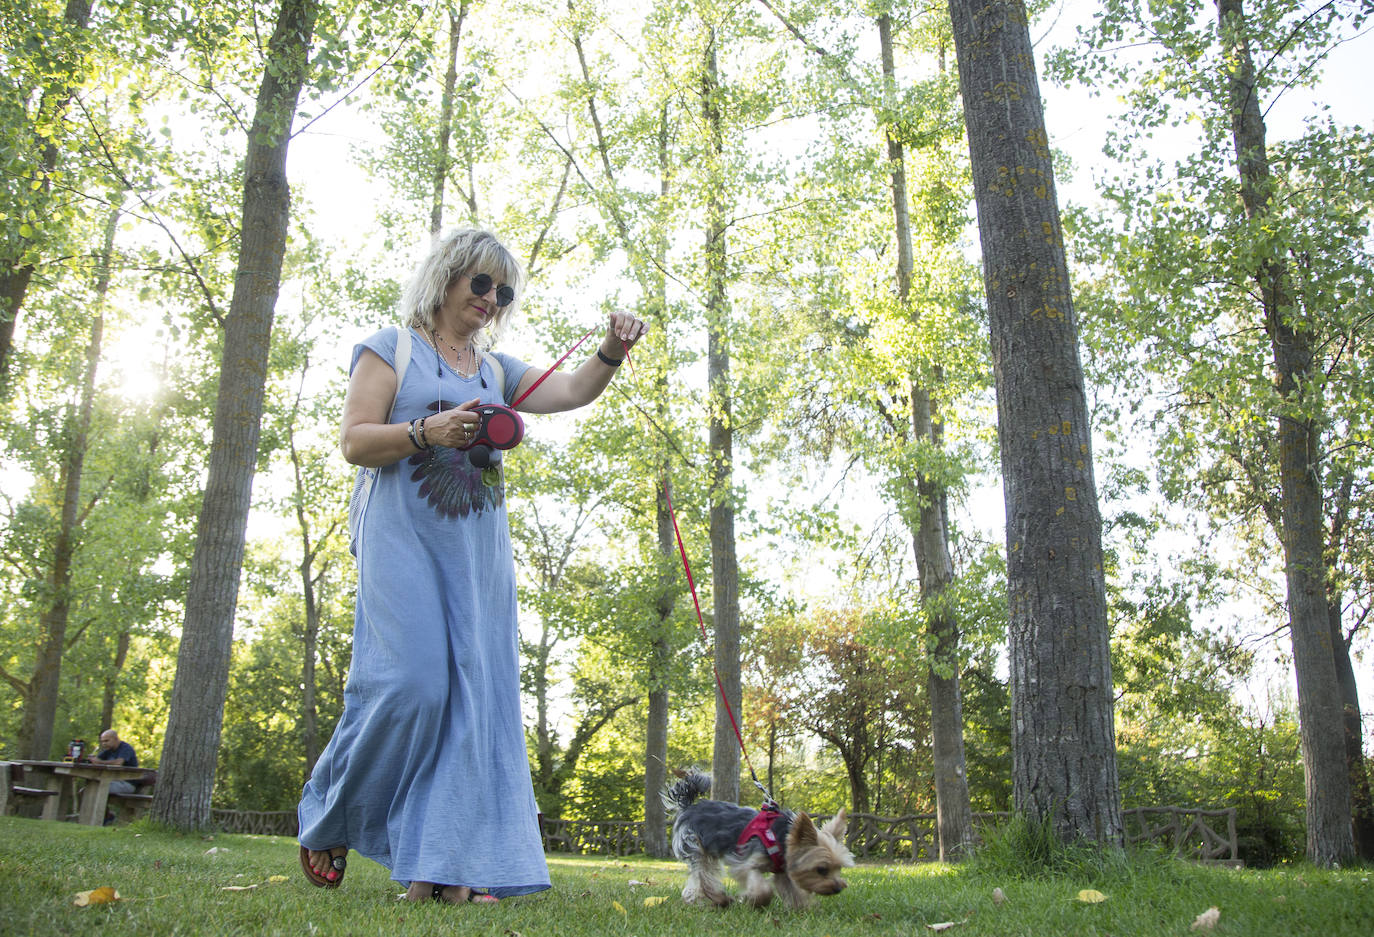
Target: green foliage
[1023, 848]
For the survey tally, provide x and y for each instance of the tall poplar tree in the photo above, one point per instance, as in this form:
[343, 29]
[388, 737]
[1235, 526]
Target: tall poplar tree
[1298, 373]
[725, 757]
[1063, 741]
[1244, 264]
[40, 709]
[187, 769]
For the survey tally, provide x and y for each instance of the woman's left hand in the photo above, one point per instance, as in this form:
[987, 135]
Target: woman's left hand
[623, 331]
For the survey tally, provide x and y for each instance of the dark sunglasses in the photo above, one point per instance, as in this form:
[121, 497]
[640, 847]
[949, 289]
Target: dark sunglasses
[480, 285]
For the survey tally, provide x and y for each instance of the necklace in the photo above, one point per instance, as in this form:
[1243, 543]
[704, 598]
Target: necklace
[457, 367]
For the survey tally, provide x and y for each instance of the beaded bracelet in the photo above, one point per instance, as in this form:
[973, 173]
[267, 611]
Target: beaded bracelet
[420, 431]
[410, 431]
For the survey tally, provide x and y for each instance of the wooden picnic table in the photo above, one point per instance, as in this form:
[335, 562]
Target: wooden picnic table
[91, 800]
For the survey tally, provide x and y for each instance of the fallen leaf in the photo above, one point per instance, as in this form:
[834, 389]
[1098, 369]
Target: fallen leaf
[237, 887]
[1091, 896]
[619, 907]
[634, 881]
[943, 926]
[657, 899]
[998, 896]
[103, 895]
[215, 850]
[512, 933]
[1207, 919]
[278, 878]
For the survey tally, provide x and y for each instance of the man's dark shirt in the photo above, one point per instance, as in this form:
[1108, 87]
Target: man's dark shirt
[122, 750]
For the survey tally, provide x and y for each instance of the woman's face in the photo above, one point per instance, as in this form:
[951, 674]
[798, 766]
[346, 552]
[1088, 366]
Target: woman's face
[468, 310]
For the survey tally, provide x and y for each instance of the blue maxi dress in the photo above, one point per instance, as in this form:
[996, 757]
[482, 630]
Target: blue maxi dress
[427, 771]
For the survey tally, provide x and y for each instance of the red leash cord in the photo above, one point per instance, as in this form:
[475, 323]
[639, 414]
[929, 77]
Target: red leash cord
[566, 355]
[552, 368]
[686, 567]
[701, 623]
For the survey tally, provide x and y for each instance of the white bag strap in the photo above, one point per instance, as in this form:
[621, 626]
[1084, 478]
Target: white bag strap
[498, 371]
[402, 362]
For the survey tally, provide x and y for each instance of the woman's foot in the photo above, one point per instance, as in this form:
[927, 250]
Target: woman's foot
[429, 891]
[325, 867]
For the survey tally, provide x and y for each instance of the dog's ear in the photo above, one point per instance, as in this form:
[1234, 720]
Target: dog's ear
[836, 826]
[803, 832]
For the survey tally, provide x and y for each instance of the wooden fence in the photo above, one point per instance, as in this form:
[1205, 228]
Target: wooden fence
[258, 822]
[1191, 832]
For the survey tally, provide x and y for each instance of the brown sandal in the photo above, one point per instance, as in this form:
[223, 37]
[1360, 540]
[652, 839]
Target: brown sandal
[337, 866]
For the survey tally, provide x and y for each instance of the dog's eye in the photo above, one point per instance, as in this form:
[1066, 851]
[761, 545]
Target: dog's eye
[823, 870]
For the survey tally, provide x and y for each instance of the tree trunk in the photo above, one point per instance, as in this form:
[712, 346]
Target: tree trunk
[1063, 741]
[954, 813]
[1361, 801]
[1329, 837]
[543, 735]
[725, 757]
[196, 713]
[40, 711]
[660, 661]
[15, 272]
[854, 768]
[441, 165]
[310, 725]
[108, 697]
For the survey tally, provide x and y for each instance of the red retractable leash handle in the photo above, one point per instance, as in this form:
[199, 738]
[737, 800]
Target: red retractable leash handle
[498, 427]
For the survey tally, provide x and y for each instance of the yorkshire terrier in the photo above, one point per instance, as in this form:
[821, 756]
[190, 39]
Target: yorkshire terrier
[803, 860]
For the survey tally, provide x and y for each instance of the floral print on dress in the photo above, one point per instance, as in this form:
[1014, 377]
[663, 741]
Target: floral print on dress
[452, 485]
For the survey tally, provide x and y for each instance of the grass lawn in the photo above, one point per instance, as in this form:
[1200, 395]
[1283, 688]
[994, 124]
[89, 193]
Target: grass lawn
[171, 884]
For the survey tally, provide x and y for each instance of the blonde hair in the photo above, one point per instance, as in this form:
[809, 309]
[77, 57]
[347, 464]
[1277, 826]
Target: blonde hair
[461, 252]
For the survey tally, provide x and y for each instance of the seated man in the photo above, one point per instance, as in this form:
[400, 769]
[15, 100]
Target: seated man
[114, 752]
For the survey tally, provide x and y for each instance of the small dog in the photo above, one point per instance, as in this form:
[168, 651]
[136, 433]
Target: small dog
[803, 860]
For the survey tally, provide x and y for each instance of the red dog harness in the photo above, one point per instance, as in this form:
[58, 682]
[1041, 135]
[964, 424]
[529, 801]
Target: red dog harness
[762, 828]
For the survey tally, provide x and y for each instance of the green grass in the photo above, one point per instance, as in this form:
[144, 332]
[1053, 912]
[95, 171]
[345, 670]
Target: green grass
[172, 884]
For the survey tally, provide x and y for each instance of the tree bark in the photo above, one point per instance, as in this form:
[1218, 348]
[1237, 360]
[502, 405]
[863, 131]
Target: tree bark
[725, 759]
[1361, 801]
[109, 696]
[1329, 837]
[40, 710]
[310, 717]
[441, 166]
[660, 659]
[1063, 741]
[196, 714]
[935, 567]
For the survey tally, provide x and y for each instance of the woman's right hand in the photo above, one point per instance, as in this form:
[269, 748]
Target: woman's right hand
[455, 427]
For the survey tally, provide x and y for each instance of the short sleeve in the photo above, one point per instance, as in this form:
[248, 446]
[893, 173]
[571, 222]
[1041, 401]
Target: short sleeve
[514, 370]
[381, 343]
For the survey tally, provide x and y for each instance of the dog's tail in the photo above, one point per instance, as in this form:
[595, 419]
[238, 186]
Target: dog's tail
[686, 789]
